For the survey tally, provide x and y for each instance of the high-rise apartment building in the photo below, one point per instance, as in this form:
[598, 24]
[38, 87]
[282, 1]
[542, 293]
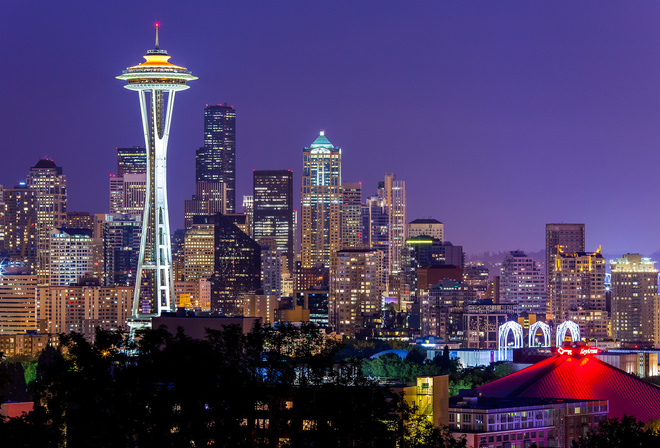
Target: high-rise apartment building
[351, 213]
[559, 238]
[273, 210]
[635, 301]
[579, 288]
[48, 180]
[395, 207]
[384, 228]
[321, 202]
[18, 302]
[237, 267]
[20, 242]
[355, 290]
[216, 160]
[426, 227]
[70, 255]
[522, 283]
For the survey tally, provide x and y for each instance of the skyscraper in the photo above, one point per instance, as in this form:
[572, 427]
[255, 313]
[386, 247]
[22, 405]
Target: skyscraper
[635, 301]
[216, 160]
[156, 80]
[321, 202]
[237, 267]
[559, 238]
[522, 283]
[351, 211]
[49, 182]
[395, 206]
[273, 210]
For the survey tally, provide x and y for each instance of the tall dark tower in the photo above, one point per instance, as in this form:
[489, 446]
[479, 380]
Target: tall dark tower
[237, 266]
[216, 160]
[273, 209]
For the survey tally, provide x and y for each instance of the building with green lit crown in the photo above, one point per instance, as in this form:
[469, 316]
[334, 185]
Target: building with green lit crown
[321, 202]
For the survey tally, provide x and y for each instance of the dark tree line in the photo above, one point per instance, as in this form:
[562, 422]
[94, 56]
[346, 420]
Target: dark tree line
[269, 388]
[625, 433]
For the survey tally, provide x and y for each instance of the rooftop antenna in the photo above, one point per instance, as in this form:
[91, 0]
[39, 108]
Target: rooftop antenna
[157, 25]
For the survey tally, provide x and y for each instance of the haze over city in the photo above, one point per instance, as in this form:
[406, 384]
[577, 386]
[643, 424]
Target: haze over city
[500, 116]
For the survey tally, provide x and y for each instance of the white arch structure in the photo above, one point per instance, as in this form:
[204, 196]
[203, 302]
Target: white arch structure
[571, 326]
[545, 328]
[503, 333]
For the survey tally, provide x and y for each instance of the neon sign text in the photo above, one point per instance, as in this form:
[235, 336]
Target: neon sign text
[583, 351]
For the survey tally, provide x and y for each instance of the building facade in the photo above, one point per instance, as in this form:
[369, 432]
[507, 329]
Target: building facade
[199, 251]
[522, 283]
[351, 212]
[635, 301]
[20, 229]
[18, 302]
[71, 255]
[579, 292]
[272, 210]
[62, 309]
[355, 290]
[209, 198]
[321, 202]
[216, 160]
[237, 268]
[426, 227]
[48, 180]
[559, 238]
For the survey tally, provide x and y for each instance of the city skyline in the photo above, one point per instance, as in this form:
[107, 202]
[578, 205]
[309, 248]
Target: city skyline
[518, 115]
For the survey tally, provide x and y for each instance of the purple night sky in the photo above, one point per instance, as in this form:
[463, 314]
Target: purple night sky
[501, 116]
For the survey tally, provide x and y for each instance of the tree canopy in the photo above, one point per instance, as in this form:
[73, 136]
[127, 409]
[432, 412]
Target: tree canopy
[271, 387]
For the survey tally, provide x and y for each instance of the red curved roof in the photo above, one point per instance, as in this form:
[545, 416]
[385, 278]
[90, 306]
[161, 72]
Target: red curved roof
[586, 377]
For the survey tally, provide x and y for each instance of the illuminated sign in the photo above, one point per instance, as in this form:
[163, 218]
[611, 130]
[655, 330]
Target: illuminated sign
[583, 351]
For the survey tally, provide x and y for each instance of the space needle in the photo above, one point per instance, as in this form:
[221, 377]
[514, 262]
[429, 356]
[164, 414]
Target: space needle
[156, 80]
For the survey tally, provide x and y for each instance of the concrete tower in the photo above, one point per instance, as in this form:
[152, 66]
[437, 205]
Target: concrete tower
[156, 80]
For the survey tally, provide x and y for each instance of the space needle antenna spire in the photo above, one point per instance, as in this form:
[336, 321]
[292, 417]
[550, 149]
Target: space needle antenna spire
[157, 25]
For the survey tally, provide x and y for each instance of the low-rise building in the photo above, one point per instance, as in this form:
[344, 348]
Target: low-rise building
[521, 422]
